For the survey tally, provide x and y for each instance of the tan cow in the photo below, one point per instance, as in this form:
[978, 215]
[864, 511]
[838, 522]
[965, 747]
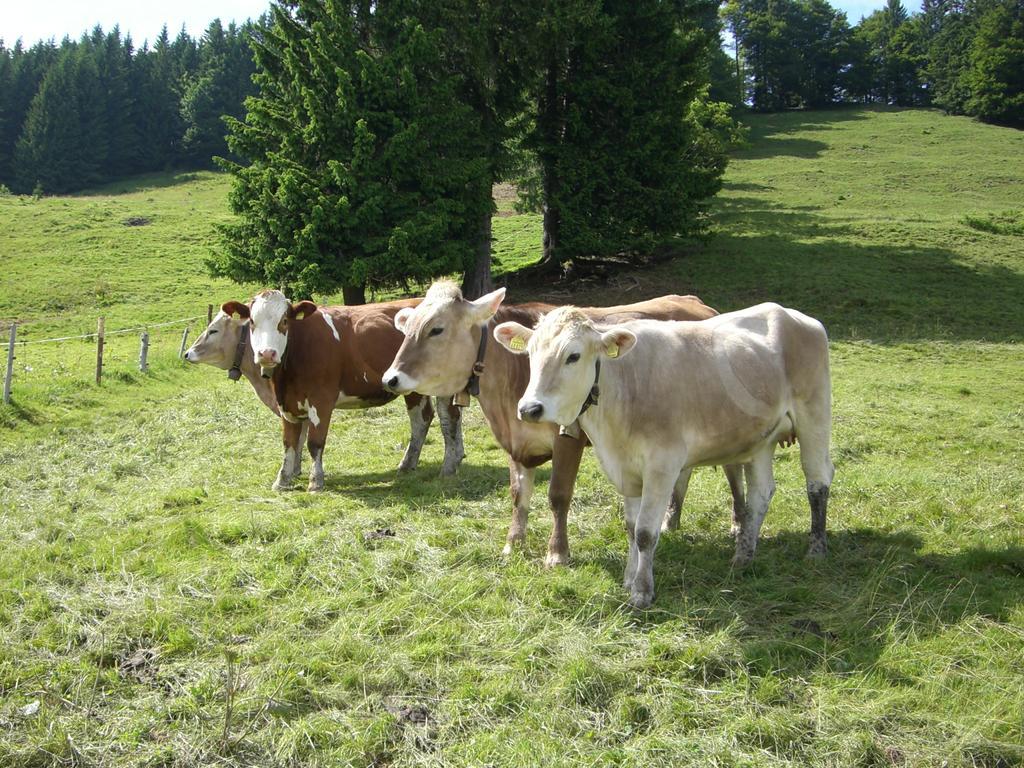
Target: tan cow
[445, 337]
[679, 395]
[319, 359]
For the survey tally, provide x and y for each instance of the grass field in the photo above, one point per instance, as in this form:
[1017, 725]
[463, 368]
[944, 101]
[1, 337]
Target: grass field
[160, 606]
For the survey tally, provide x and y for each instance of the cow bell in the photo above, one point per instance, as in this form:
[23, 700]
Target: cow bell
[461, 399]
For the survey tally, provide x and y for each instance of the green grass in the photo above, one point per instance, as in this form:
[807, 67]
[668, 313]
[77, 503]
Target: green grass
[144, 554]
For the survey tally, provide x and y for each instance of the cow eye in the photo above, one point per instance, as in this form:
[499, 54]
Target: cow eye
[211, 332]
[436, 331]
[572, 358]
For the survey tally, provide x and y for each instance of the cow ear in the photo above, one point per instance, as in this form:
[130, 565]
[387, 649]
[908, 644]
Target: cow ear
[483, 309]
[403, 317]
[513, 337]
[617, 342]
[235, 309]
[301, 310]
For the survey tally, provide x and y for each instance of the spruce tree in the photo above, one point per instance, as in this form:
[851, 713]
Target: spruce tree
[48, 152]
[612, 136]
[362, 163]
[996, 74]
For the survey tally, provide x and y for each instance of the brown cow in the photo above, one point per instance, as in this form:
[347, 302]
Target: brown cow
[445, 335]
[319, 359]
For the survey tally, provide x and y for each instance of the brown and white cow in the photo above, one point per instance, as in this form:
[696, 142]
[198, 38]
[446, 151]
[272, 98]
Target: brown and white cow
[679, 395]
[443, 339]
[225, 345]
[319, 359]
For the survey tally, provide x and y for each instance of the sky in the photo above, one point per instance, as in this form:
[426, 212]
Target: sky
[34, 20]
[45, 19]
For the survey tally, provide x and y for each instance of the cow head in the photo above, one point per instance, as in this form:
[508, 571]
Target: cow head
[217, 344]
[564, 349]
[442, 336]
[268, 316]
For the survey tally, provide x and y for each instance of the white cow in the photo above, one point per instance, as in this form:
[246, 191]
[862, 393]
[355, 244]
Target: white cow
[677, 395]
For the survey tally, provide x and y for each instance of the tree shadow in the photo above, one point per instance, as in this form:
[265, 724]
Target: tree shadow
[795, 617]
[771, 146]
[768, 136]
[894, 293]
[141, 183]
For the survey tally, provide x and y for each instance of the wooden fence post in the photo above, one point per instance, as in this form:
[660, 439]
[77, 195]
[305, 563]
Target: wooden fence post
[209, 313]
[10, 364]
[99, 350]
[184, 339]
[144, 352]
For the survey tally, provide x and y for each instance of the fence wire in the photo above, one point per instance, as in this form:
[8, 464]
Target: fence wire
[42, 368]
[136, 329]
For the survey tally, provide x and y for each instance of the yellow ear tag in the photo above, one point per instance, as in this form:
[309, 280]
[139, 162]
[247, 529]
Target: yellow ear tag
[517, 344]
[235, 316]
[612, 350]
[300, 315]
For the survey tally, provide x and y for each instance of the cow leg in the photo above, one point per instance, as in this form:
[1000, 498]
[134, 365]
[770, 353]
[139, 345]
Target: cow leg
[760, 489]
[450, 416]
[631, 508]
[303, 436]
[734, 474]
[657, 491]
[319, 423]
[520, 483]
[290, 435]
[565, 465]
[675, 506]
[818, 472]
[421, 413]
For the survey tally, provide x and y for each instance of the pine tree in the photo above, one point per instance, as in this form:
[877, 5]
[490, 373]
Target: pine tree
[363, 163]
[28, 68]
[47, 153]
[6, 81]
[612, 136]
[160, 97]
[996, 74]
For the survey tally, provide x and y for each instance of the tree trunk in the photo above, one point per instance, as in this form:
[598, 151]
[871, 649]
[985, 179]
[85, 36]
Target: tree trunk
[354, 294]
[477, 280]
[550, 118]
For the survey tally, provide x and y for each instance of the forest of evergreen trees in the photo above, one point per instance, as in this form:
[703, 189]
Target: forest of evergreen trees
[963, 56]
[96, 109]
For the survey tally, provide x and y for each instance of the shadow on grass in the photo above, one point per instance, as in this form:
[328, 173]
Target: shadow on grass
[423, 485]
[142, 183]
[888, 292]
[795, 617]
[16, 412]
[768, 134]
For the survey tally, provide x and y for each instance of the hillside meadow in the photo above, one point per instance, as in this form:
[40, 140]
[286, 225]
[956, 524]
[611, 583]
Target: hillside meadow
[160, 606]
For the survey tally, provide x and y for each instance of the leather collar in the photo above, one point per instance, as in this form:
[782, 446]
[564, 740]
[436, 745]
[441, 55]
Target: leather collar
[595, 390]
[235, 371]
[472, 387]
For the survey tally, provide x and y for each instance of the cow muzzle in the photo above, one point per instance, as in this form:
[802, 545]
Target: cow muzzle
[267, 360]
[396, 382]
[530, 410]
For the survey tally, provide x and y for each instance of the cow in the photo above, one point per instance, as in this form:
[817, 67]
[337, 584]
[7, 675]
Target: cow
[225, 345]
[674, 396]
[321, 358]
[444, 351]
